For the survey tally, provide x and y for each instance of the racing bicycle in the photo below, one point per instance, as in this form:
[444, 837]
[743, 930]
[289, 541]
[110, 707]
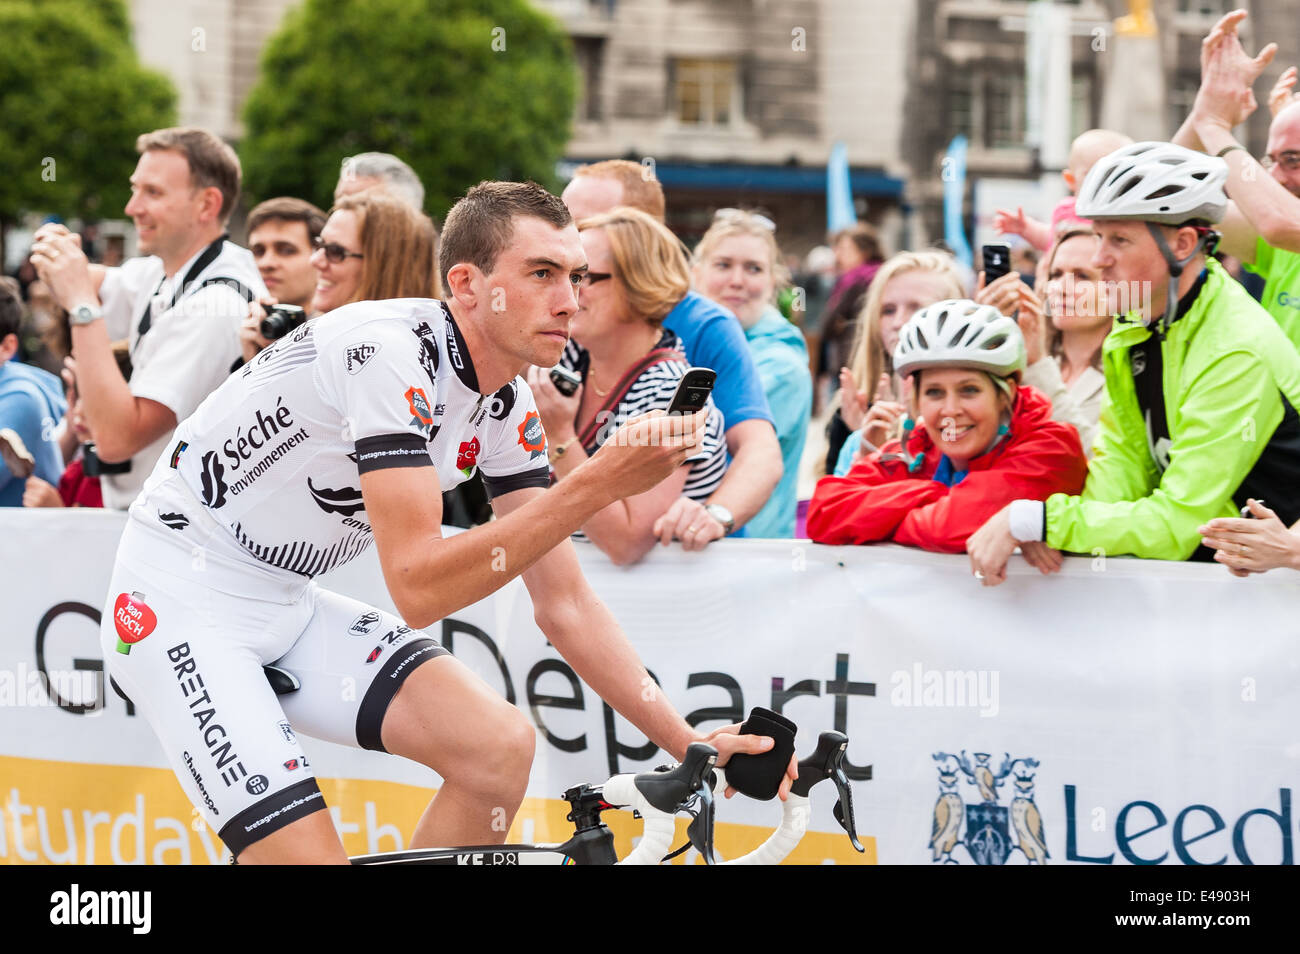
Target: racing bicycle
[658, 797]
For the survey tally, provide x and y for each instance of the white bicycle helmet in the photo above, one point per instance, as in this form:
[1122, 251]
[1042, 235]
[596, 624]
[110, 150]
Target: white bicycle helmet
[958, 333]
[1155, 182]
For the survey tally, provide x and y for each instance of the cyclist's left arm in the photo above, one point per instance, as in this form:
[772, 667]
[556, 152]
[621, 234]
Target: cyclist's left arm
[586, 634]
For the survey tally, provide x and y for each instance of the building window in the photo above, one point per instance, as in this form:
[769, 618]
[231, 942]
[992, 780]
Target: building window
[1006, 109]
[1210, 9]
[1080, 105]
[961, 106]
[589, 52]
[1182, 94]
[707, 93]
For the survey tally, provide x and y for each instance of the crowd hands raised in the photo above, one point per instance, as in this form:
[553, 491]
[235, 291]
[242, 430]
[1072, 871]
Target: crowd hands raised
[1039, 411]
[1185, 442]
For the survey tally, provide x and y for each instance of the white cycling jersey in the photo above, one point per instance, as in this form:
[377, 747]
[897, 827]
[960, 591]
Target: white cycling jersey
[276, 452]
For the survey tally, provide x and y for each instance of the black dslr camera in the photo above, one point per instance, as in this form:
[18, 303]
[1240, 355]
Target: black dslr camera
[280, 320]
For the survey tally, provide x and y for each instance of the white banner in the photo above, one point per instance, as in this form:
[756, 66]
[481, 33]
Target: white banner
[1121, 712]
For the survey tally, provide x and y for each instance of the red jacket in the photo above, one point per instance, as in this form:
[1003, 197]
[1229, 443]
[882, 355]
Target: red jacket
[878, 500]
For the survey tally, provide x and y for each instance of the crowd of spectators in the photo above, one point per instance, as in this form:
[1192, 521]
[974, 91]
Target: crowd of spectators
[1093, 397]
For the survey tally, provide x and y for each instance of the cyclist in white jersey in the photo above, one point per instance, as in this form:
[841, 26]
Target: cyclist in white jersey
[347, 430]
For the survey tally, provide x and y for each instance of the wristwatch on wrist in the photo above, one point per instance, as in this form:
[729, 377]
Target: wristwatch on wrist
[85, 314]
[722, 515]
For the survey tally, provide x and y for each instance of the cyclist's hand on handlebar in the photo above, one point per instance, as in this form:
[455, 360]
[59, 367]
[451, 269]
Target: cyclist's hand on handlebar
[728, 741]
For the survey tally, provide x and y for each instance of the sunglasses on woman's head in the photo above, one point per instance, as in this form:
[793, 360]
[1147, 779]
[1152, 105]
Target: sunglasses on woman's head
[740, 215]
[335, 252]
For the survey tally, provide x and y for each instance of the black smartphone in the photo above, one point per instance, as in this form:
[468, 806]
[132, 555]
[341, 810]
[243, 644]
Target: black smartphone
[997, 262]
[565, 381]
[693, 391]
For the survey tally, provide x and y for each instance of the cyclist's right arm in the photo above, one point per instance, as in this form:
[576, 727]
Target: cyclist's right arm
[430, 576]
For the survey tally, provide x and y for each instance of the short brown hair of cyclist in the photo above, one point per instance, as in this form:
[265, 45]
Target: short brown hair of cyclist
[399, 245]
[286, 209]
[649, 260]
[213, 164]
[641, 190]
[481, 225]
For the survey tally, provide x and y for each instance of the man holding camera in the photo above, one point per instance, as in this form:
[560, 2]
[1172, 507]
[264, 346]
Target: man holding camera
[282, 233]
[180, 306]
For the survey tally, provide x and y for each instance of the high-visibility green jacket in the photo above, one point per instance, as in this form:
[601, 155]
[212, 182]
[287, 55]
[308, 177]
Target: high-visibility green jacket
[1231, 382]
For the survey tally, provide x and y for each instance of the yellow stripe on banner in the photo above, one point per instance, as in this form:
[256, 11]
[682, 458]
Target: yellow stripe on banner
[78, 813]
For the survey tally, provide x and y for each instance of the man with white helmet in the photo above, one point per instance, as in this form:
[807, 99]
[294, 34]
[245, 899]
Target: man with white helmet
[1201, 383]
[980, 440]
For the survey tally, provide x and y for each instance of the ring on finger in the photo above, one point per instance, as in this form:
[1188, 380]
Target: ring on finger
[979, 575]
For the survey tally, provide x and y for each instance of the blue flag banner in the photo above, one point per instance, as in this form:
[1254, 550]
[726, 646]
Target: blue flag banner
[839, 194]
[954, 193]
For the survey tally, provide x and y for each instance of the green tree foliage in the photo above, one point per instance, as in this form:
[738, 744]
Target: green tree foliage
[73, 98]
[463, 90]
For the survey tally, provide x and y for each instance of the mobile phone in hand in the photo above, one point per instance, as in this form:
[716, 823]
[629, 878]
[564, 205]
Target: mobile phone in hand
[693, 391]
[997, 262]
[565, 381]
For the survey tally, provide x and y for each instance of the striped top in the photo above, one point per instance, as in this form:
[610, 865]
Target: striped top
[654, 390]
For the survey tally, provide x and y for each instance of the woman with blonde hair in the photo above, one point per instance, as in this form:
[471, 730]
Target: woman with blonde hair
[629, 364]
[871, 398]
[373, 247]
[738, 265]
[1064, 325]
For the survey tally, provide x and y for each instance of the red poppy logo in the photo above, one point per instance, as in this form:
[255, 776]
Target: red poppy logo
[468, 455]
[133, 619]
[531, 436]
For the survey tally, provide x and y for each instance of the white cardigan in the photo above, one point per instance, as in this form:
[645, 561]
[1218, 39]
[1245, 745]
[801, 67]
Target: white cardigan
[1079, 404]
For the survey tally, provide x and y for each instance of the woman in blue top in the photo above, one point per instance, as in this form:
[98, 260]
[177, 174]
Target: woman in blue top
[738, 265]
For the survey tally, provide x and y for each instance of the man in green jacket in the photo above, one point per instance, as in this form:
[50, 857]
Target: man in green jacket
[1200, 396]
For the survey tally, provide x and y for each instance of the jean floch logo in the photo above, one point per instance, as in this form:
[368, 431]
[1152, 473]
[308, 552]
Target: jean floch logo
[992, 830]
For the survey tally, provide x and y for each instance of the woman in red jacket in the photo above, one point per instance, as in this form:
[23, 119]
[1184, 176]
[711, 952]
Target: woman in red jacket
[980, 441]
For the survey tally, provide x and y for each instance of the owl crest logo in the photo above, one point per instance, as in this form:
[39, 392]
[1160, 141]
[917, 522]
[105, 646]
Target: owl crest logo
[995, 824]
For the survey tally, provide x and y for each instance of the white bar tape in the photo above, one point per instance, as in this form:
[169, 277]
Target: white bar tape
[795, 815]
[658, 827]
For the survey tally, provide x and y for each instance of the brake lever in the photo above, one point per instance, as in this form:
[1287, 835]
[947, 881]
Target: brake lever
[827, 762]
[700, 830]
[670, 791]
[845, 807]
